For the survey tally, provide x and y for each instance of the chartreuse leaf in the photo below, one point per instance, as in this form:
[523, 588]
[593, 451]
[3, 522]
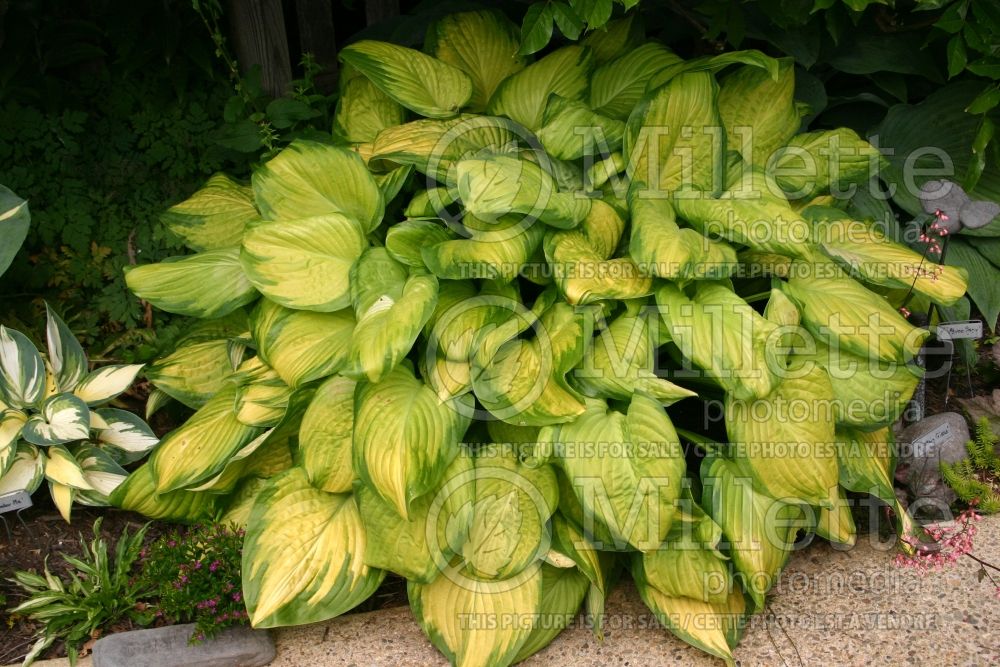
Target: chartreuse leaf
[21, 369]
[568, 540]
[125, 431]
[615, 39]
[421, 83]
[663, 249]
[707, 64]
[324, 450]
[724, 336]
[201, 447]
[304, 263]
[309, 179]
[758, 110]
[495, 253]
[25, 472]
[814, 163]
[406, 240]
[138, 494]
[864, 323]
[391, 306]
[66, 356]
[563, 589]
[463, 616]
[625, 468]
[688, 564]
[783, 440]
[420, 547]
[867, 464]
[261, 395]
[207, 284]
[215, 216]
[616, 87]
[571, 130]
[523, 96]
[106, 383]
[11, 423]
[674, 139]
[303, 557]
[363, 111]
[62, 418]
[404, 438]
[193, 372]
[483, 44]
[301, 346]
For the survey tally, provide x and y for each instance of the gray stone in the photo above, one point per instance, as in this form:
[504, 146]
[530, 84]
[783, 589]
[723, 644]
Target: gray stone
[169, 647]
[923, 447]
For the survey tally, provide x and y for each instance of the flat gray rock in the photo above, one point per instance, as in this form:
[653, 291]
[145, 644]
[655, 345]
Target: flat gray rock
[923, 447]
[168, 647]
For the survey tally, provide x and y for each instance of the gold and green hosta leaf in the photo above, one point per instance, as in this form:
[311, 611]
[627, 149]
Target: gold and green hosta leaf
[325, 445]
[483, 44]
[523, 96]
[711, 64]
[11, 423]
[309, 180]
[406, 240]
[106, 383]
[421, 83]
[66, 356]
[261, 395]
[663, 249]
[624, 467]
[785, 439]
[21, 369]
[303, 557]
[404, 437]
[461, 615]
[194, 372]
[206, 284]
[304, 263]
[867, 465]
[301, 346]
[241, 502]
[496, 254]
[571, 130]
[834, 524]
[563, 589]
[759, 110]
[616, 87]
[814, 163]
[687, 568]
[363, 111]
[214, 217]
[138, 494]
[615, 39]
[125, 431]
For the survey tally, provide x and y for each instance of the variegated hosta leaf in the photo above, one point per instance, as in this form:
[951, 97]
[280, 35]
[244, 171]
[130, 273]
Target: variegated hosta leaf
[523, 96]
[663, 249]
[836, 523]
[714, 64]
[421, 547]
[616, 87]
[200, 448]
[513, 504]
[498, 253]
[125, 431]
[404, 437]
[61, 467]
[406, 240]
[392, 183]
[563, 589]
[261, 394]
[63, 497]
[66, 356]
[363, 111]
[102, 473]
[206, 284]
[14, 222]
[571, 130]
[483, 44]
[304, 263]
[313, 180]
[138, 494]
[11, 423]
[194, 372]
[106, 383]
[325, 445]
[614, 39]
[758, 110]
[463, 616]
[215, 216]
[62, 418]
[303, 557]
[815, 162]
[421, 83]
[724, 336]
[25, 471]
[784, 440]
[689, 565]
[864, 323]
[21, 369]
[391, 305]
[624, 468]
[241, 502]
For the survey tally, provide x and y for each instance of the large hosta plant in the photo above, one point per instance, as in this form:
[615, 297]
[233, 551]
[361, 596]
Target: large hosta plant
[447, 342]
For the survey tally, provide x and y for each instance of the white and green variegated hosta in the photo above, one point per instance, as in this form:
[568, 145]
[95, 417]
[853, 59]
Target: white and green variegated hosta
[446, 342]
[55, 427]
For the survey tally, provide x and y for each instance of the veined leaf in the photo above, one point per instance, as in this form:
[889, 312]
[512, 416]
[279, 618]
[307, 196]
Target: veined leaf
[523, 96]
[363, 111]
[758, 110]
[571, 130]
[138, 494]
[615, 39]
[616, 87]
[563, 589]
[663, 249]
[193, 372]
[495, 254]
[814, 163]
[261, 395]
[61, 467]
[62, 418]
[324, 451]
[21, 369]
[214, 217]
[102, 473]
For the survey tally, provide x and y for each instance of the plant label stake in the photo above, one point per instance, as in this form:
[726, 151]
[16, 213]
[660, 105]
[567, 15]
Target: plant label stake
[958, 330]
[16, 501]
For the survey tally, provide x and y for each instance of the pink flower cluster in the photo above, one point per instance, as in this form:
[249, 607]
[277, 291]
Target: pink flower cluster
[935, 232]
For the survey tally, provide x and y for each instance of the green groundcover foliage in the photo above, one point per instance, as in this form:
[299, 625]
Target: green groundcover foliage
[451, 340]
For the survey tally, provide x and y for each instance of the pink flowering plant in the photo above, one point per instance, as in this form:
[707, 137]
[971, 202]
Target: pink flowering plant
[196, 575]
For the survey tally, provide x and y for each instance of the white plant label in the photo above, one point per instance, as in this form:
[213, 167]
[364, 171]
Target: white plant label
[15, 501]
[959, 330]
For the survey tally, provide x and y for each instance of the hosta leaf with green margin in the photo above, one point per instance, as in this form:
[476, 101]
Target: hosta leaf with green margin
[724, 336]
[106, 383]
[835, 524]
[615, 39]
[14, 222]
[26, 471]
[363, 111]
[304, 263]
[303, 556]
[571, 130]
[568, 539]
[689, 567]
[563, 590]
[663, 249]
[523, 96]
[759, 530]
[814, 163]
[406, 240]
[421, 83]
[325, 445]
[201, 447]
[429, 202]
[864, 323]
[616, 87]
[21, 369]
[714, 64]
[11, 423]
[215, 216]
[241, 502]
[513, 504]
[300, 345]
[261, 394]
[206, 284]
[783, 440]
[102, 473]
[867, 465]
[61, 418]
[412, 547]
[661, 158]
[193, 372]
[483, 44]
[126, 432]
[392, 183]
[138, 494]
[462, 615]
[68, 360]
[758, 110]
[497, 254]
[309, 179]
[61, 467]
[404, 437]
[631, 487]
